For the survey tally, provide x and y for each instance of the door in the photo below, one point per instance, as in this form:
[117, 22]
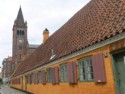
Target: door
[119, 60]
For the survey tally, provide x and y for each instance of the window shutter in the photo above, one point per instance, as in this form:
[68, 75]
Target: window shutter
[39, 77]
[99, 68]
[102, 68]
[35, 77]
[27, 79]
[72, 72]
[30, 78]
[55, 75]
[95, 67]
[52, 74]
[43, 76]
[19, 81]
[37, 80]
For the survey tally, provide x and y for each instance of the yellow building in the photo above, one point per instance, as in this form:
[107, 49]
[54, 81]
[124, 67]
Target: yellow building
[85, 56]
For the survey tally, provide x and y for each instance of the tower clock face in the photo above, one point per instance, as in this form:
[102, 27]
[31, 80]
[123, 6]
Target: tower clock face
[20, 41]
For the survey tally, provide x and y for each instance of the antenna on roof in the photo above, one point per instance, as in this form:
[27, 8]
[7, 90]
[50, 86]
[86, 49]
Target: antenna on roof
[52, 54]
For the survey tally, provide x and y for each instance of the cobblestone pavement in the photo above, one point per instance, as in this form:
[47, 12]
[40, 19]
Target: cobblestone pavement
[8, 90]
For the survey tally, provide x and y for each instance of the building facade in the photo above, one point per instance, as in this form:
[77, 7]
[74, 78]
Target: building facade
[85, 56]
[21, 47]
[7, 69]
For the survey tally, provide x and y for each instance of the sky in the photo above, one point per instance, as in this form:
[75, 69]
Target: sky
[39, 14]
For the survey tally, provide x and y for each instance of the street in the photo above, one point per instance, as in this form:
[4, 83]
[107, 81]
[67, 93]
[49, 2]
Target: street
[8, 90]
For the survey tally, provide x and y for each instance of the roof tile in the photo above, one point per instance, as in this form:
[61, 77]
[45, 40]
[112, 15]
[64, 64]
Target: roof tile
[97, 21]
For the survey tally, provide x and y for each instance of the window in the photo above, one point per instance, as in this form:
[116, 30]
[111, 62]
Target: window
[63, 73]
[49, 77]
[39, 77]
[86, 69]
[43, 72]
[29, 78]
[32, 78]
[20, 32]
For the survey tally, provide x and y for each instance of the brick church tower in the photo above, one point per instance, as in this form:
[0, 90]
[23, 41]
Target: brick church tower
[20, 42]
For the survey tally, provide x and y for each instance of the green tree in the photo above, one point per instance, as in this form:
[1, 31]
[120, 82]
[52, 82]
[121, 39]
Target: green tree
[1, 81]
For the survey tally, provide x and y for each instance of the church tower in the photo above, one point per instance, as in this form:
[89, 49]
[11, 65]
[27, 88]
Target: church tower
[20, 42]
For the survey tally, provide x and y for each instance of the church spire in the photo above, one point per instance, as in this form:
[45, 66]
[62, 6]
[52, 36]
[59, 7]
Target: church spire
[20, 19]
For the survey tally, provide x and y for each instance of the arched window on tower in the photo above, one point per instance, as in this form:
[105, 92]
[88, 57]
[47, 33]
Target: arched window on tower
[18, 32]
[22, 32]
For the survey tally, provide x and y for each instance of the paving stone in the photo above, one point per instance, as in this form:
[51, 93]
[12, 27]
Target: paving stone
[8, 90]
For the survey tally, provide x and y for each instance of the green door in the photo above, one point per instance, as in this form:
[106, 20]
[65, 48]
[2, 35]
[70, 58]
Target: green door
[120, 72]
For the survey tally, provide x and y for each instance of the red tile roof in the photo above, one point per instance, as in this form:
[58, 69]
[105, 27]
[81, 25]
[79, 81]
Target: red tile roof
[97, 21]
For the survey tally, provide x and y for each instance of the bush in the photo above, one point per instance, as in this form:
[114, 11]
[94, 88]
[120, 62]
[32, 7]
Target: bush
[1, 81]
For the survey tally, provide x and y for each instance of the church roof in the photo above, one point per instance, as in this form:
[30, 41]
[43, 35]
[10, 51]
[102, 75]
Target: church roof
[20, 19]
[97, 21]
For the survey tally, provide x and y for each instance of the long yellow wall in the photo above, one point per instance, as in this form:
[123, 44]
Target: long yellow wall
[18, 86]
[80, 87]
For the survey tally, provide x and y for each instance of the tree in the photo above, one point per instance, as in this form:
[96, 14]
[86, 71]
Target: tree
[1, 81]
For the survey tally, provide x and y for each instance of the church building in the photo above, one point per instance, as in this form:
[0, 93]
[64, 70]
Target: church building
[21, 47]
[85, 56]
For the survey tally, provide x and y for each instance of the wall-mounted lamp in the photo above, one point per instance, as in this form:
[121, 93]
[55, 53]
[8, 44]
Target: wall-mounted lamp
[106, 54]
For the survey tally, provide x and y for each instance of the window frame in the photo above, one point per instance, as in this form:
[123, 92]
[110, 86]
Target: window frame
[33, 78]
[39, 76]
[49, 75]
[63, 74]
[86, 64]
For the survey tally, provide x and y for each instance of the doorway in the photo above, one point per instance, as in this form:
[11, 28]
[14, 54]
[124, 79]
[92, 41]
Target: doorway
[119, 71]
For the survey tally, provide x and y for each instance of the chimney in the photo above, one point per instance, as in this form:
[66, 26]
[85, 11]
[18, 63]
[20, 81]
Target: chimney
[45, 35]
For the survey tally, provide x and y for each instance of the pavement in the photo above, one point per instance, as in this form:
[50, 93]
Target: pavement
[7, 90]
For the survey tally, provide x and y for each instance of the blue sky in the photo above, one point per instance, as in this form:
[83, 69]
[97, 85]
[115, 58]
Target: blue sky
[39, 14]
